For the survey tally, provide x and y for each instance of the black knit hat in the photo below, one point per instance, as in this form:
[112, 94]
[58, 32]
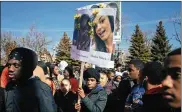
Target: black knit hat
[91, 73]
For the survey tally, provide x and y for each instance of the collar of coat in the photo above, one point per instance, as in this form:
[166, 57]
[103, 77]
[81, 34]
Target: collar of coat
[95, 90]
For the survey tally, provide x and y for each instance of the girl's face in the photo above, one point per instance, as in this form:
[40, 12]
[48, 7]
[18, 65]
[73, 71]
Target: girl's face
[103, 79]
[102, 27]
[118, 78]
[91, 83]
[66, 74]
[56, 70]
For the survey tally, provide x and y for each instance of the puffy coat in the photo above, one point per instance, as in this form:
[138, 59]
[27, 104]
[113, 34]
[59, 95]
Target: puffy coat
[95, 101]
[31, 96]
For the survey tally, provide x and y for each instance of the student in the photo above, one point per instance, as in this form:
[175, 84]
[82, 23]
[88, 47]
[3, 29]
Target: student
[4, 77]
[104, 28]
[111, 89]
[134, 100]
[93, 96]
[25, 92]
[172, 80]
[65, 98]
[125, 86]
[68, 74]
[2, 100]
[152, 99]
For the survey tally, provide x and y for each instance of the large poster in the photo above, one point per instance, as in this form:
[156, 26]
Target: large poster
[93, 37]
[117, 5]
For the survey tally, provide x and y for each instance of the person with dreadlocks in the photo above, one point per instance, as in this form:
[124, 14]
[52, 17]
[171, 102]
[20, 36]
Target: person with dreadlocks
[26, 92]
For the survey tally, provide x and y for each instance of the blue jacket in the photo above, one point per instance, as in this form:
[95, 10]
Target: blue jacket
[135, 97]
[134, 100]
[31, 96]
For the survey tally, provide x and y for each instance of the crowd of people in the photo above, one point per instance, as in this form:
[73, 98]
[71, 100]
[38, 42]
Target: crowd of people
[29, 85]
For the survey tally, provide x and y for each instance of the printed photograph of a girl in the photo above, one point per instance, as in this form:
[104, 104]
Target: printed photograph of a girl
[117, 27]
[75, 33]
[117, 20]
[81, 35]
[103, 33]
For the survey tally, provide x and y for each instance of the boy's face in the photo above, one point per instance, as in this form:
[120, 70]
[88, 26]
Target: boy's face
[133, 72]
[172, 81]
[14, 69]
[111, 76]
[65, 86]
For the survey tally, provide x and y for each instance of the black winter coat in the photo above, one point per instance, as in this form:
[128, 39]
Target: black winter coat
[65, 103]
[154, 103]
[31, 96]
[2, 103]
[124, 89]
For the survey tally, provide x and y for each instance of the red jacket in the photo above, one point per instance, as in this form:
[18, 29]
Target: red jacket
[74, 85]
[4, 77]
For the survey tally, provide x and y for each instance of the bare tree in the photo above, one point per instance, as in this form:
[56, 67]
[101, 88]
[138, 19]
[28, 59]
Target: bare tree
[8, 43]
[148, 35]
[176, 20]
[45, 56]
[35, 40]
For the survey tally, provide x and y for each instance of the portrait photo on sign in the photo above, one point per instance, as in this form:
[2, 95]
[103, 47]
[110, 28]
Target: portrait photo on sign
[103, 30]
[93, 36]
[75, 32]
[117, 29]
[114, 5]
[81, 37]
